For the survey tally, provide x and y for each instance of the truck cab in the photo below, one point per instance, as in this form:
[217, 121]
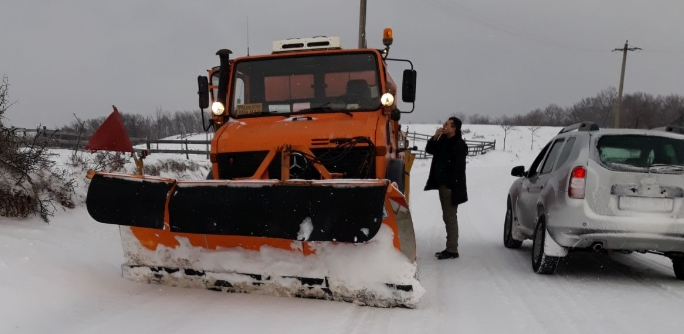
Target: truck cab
[333, 109]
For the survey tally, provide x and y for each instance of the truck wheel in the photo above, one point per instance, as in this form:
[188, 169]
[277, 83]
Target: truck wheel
[395, 172]
[541, 263]
[210, 176]
[678, 266]
[509, 242]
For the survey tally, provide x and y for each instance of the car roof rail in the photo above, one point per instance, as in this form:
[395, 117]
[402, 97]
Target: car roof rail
[671, 128]
[583, 126]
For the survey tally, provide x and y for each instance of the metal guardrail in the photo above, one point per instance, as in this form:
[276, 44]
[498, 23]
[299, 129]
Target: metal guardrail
[57, 139]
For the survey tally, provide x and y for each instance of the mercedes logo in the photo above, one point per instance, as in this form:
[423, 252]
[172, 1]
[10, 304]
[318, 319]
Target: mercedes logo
[298, 164]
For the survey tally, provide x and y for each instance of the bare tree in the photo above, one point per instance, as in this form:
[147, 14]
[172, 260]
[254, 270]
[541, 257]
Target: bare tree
[29, 181]
[479, 119]
[81, 125]
[507, 127]
[533, 129]
[459, 115]
[4, 97]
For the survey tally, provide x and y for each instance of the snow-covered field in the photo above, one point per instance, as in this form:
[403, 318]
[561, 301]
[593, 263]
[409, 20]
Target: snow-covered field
[65, 277]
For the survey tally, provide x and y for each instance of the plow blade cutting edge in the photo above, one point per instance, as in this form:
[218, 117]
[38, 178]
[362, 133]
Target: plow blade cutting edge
[347, 240]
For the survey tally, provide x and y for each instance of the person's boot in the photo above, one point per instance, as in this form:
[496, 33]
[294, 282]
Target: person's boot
[447, 255]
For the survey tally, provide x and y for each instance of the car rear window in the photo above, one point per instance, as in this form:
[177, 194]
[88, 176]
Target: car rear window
[642, 153]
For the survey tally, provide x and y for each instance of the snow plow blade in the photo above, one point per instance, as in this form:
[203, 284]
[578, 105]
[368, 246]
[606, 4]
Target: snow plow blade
[293, 210]
[131, 200]
[345, 240]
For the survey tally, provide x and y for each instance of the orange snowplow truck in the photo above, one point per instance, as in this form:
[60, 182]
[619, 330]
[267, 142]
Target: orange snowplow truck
[308, 192]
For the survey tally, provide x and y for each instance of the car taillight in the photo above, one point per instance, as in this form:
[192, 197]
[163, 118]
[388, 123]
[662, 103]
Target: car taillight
[578, 180]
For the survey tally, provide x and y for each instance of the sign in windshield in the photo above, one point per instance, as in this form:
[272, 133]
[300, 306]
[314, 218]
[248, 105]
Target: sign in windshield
[306, 84]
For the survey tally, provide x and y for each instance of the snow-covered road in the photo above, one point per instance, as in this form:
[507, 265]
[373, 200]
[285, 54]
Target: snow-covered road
[65, 277]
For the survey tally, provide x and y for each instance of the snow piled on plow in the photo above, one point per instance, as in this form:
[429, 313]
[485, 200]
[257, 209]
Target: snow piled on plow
[366, 273]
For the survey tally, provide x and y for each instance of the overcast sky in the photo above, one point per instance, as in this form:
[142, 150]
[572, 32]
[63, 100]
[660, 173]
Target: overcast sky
[472, 56]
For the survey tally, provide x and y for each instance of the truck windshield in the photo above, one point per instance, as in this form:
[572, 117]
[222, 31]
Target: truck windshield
[306, 84]
[639, 153]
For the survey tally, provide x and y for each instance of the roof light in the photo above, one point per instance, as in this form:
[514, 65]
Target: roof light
[387, 37]
[302, 44]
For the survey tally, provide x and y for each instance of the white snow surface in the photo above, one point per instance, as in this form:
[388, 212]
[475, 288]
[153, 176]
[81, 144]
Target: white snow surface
[65, 276]
[305, 229]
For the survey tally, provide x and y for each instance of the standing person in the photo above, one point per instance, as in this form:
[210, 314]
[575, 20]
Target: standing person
[447, 175]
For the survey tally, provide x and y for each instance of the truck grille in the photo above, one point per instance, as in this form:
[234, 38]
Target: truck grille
[357, 163]
[239, 164]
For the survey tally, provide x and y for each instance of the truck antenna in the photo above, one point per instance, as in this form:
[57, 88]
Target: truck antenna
[247, 35]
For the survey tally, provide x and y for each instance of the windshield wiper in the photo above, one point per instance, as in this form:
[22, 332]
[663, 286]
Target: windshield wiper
[262, 113]
[314, 109]
[666, 167]
[324, 107]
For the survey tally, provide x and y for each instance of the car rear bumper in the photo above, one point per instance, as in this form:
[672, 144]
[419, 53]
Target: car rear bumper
[578, 226]
[619, 240]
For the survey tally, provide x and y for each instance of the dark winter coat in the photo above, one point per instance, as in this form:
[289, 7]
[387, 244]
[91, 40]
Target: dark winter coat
[448, 166]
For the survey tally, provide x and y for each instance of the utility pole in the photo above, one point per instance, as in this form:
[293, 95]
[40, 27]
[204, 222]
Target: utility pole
[622, 80]
[362, 25]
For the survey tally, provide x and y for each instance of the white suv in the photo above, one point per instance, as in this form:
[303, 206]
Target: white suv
[610, 189]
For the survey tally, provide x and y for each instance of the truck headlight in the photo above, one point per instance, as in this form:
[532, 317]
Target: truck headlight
[217, 108]
[387, 99]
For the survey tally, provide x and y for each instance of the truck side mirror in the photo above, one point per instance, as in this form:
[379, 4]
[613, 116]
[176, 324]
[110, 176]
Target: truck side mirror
[203, 91]
[408, 86]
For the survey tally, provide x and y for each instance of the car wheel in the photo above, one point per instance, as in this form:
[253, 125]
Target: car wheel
[678, 266]
[508, 240]
[541, 263]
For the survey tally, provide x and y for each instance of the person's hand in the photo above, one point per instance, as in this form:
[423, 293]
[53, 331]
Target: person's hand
[438, 133]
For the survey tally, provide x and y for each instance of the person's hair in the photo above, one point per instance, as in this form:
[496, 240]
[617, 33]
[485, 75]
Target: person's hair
[456, 123]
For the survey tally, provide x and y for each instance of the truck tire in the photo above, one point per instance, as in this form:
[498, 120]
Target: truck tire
[395, 173]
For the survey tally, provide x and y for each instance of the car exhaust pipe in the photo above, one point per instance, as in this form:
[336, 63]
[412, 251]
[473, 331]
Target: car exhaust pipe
[598, 246]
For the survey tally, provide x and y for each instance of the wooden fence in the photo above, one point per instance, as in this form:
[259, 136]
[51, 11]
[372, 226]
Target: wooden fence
[56, 139]
[475, 147]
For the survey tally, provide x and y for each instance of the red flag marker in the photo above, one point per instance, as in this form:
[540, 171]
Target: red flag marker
[111, 135]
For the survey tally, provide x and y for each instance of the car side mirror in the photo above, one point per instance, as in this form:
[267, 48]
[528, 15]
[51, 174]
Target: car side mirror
[408, 86]
[203, 91]
[518, 171]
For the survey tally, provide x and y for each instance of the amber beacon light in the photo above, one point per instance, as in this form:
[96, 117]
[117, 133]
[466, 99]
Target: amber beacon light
[387, 37]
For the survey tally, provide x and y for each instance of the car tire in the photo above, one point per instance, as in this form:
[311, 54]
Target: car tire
[678, 266]
[508, 240]
[542, 263]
